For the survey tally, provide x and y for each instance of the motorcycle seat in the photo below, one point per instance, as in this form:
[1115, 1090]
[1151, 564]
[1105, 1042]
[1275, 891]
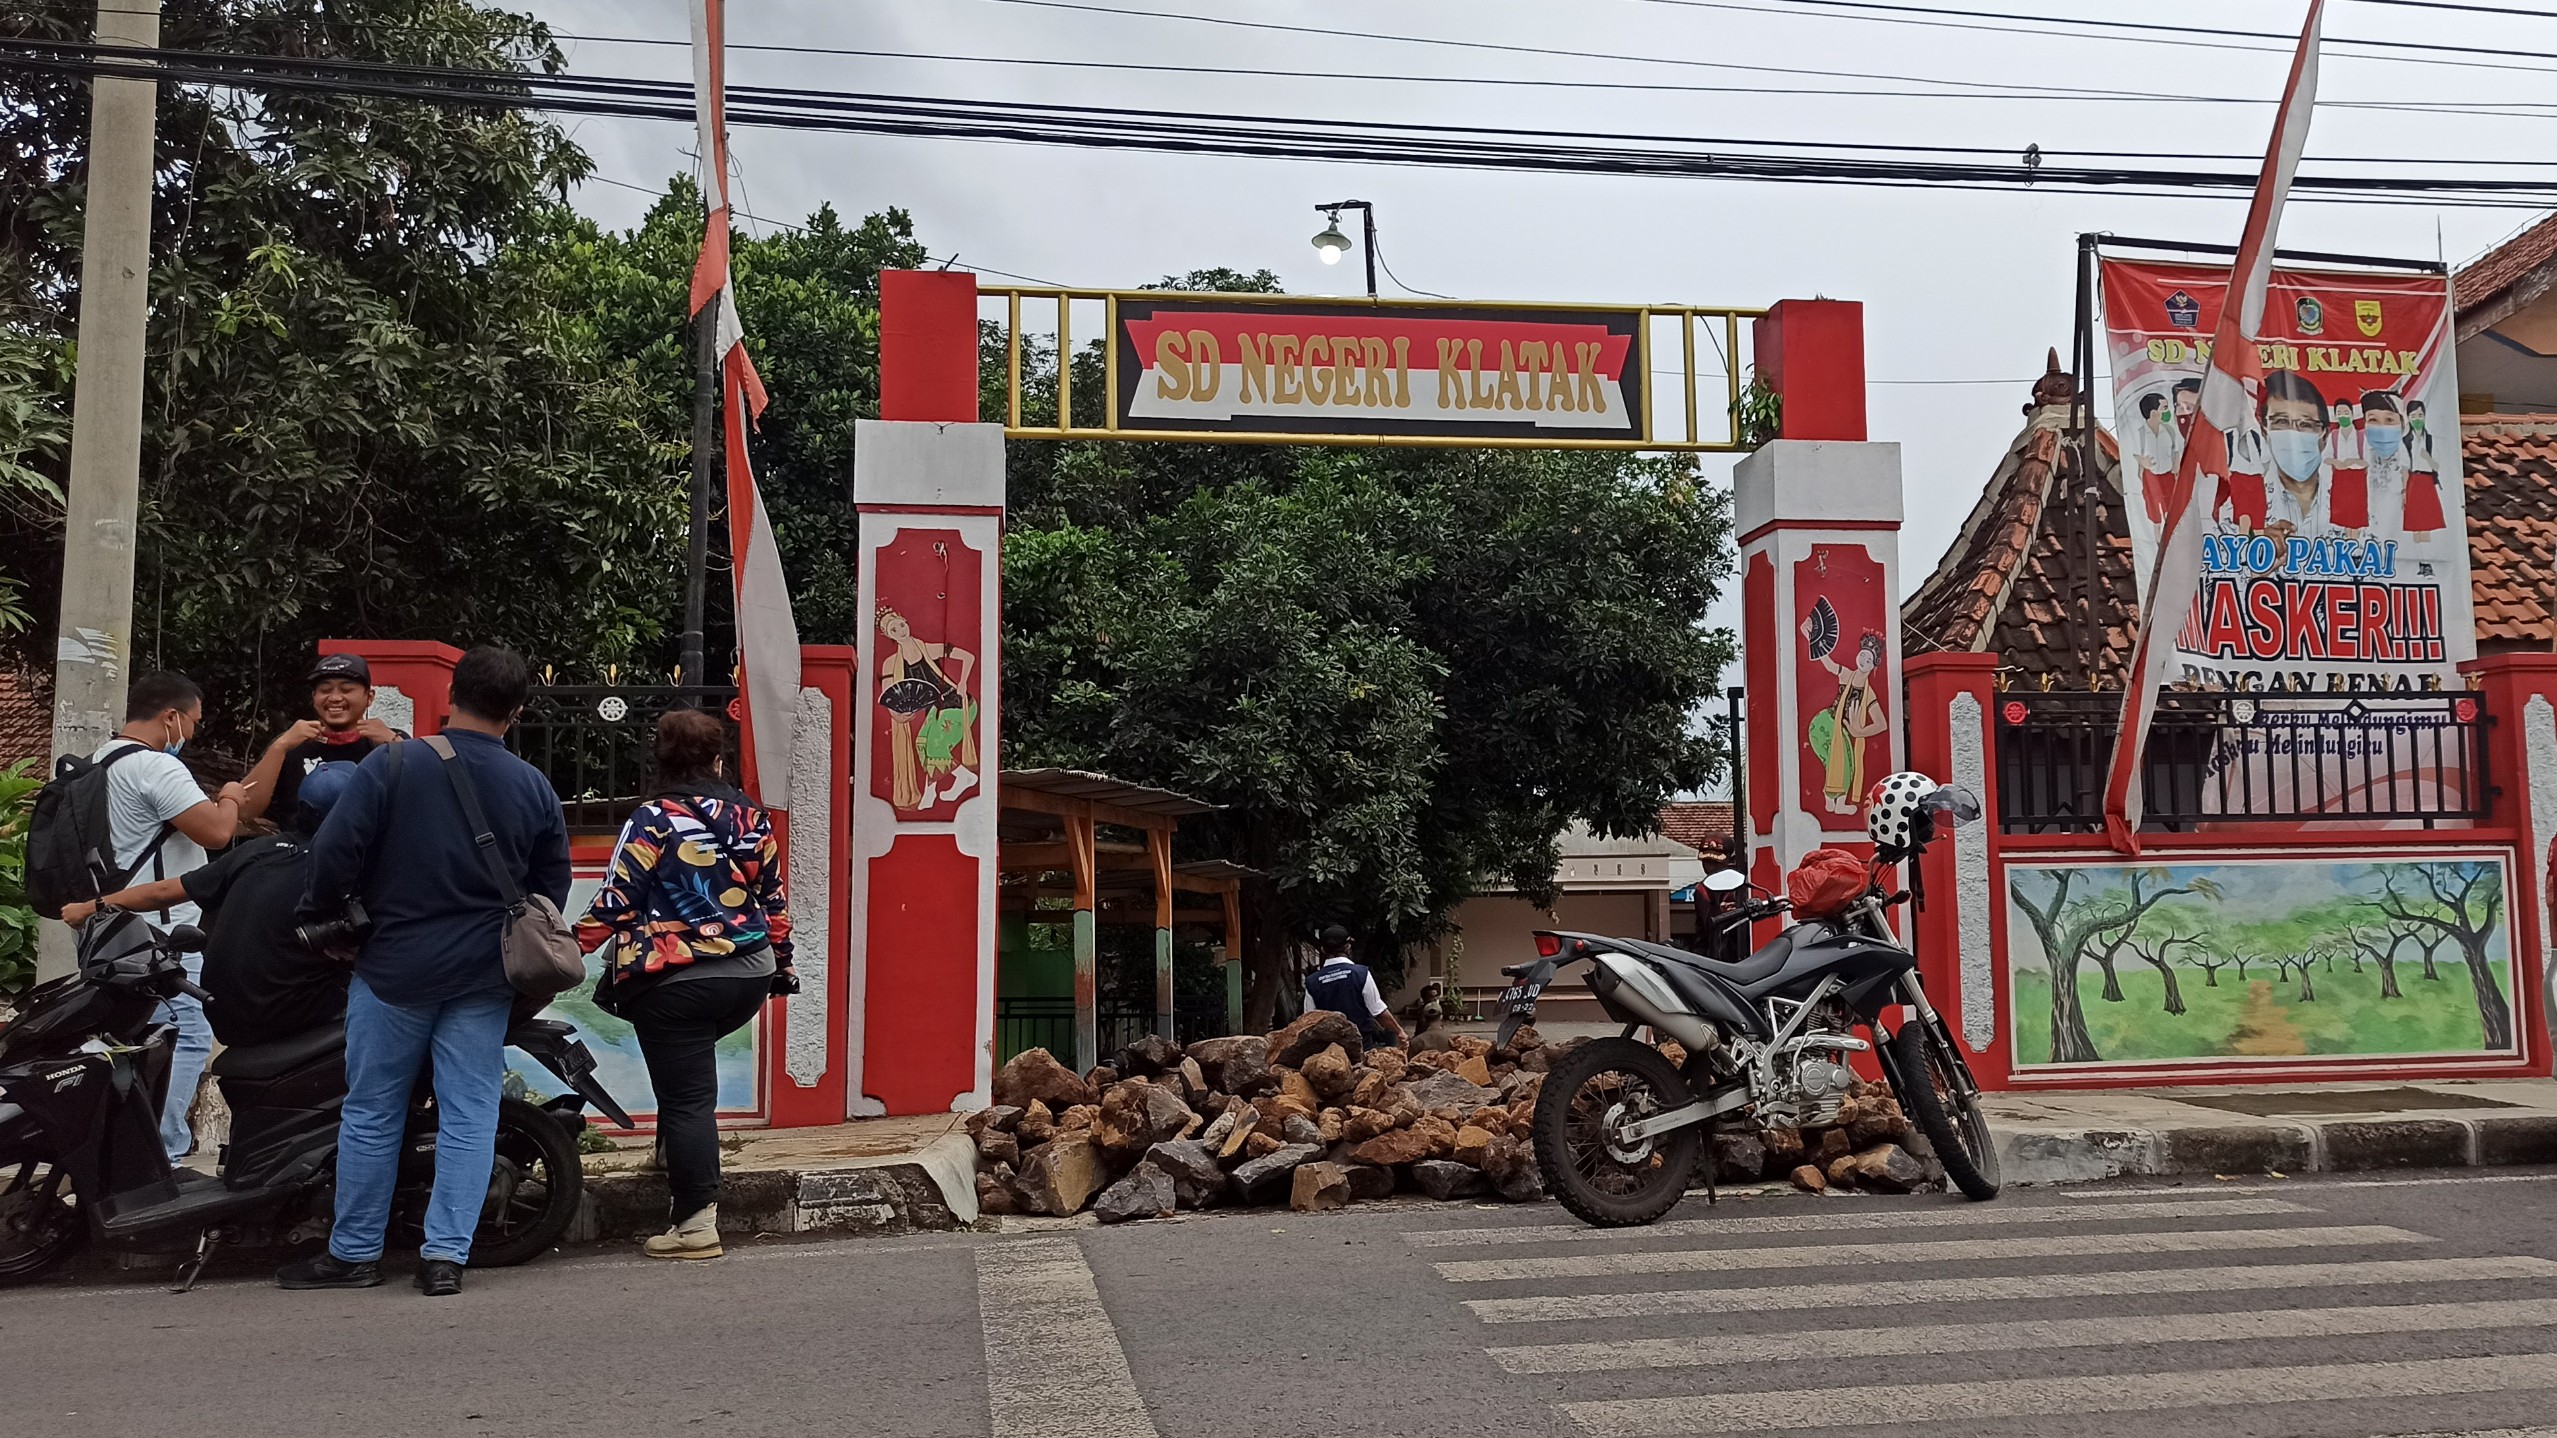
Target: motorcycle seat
[1764, 964]
[266, 1061]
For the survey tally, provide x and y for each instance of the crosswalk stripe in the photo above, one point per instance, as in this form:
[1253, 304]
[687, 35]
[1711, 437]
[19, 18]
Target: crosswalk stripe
[1714, 1260]
[2026, 1336]
[2488, 1433]
[1054, 1367]
[2246, 1278]
[1969, 1217]
[1903, 1403]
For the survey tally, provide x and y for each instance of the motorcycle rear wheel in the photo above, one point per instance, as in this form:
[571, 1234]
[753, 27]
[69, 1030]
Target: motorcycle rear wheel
[1946, 1110]
[1602, 1182]
[535, 1185]
[41, 1225]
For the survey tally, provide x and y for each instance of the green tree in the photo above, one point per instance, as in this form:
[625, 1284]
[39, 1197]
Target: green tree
[2463, 903]
[2072, 930]
[365, 411]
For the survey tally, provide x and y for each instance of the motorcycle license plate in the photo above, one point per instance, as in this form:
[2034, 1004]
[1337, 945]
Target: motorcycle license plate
[1519, 998]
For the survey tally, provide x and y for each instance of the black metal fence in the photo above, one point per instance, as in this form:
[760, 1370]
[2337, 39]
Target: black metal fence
[1048, 1023]
[2216, 758]
[593, 740]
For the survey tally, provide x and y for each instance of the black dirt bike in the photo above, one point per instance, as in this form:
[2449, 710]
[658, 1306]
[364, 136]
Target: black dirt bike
[1618, 1127]
[83, 1074]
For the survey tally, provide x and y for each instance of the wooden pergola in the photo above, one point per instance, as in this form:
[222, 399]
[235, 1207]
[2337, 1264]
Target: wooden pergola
[1051, 822]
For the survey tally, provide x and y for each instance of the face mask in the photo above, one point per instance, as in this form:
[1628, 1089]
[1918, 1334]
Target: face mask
[174, 745]
[2298, 453]
[2384, 440]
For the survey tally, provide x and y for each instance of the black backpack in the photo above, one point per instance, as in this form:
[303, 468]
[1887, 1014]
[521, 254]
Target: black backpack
[70, 852]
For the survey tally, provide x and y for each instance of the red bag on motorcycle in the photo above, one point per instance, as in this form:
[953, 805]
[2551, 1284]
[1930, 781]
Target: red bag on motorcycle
[1826, 883]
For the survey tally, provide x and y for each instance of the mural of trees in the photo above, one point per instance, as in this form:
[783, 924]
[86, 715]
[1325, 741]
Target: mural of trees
[2295, 958]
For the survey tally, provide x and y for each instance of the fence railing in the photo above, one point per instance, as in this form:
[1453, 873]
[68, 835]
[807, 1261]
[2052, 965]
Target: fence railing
[1048, 1023]
[2217, 758]
[592, 740]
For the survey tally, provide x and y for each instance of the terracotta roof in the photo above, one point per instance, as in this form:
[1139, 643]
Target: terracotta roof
[26, 717]
[2482, 279]
[1704, 827]
[2509, 465]
[2009, 582]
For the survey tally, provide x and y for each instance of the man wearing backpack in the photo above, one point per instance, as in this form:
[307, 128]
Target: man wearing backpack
[159, 826]
[431, 977]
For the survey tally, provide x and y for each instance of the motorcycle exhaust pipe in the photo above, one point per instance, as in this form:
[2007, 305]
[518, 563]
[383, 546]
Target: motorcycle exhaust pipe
[1637, 995]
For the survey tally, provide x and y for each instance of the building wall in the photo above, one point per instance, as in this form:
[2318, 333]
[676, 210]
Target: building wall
[1500, 929]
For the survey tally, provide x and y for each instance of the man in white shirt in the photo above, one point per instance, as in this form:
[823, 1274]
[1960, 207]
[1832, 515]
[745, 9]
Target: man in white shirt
[160, 825]
[1349, 990]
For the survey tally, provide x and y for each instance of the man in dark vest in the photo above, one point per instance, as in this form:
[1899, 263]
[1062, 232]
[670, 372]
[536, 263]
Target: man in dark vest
[1349, 990]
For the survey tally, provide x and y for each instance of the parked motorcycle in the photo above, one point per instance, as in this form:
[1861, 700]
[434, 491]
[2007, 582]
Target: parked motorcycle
[1618, 1127]
[83, 1074]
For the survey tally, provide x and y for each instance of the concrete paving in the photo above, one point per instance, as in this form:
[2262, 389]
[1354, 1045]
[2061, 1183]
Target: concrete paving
[2324, 1307]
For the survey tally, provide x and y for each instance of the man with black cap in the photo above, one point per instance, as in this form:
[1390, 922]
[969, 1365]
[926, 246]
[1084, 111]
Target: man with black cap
[342, 697]
[1349, 990]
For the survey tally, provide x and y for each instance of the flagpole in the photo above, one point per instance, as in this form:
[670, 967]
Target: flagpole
[705, 476]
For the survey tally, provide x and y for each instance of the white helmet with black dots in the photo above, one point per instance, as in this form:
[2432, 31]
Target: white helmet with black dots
[1891, 809]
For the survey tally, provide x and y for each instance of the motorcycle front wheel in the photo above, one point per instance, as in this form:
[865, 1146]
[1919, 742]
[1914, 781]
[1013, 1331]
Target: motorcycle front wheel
[1946, 1109]
[41, 1225]
[534, 1187]
[1586, 1097]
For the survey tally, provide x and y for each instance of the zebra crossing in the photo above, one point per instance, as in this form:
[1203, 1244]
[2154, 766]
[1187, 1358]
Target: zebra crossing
[2163, 1315]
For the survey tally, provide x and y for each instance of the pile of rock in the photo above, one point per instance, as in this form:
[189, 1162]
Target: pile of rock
[1303, 1116]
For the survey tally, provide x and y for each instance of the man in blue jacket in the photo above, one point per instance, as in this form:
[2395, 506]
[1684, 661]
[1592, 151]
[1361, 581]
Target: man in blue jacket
[430, 979]
[1349, 990]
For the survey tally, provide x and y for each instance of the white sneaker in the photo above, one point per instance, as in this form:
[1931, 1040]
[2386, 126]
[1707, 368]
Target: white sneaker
[695, 1237]
[961, 781]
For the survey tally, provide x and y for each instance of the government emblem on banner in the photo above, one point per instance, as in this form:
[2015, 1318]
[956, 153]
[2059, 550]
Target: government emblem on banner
[2366, 318]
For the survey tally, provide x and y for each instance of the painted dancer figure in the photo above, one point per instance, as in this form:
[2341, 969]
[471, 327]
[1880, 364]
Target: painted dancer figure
[1838, 732]
[932, 723]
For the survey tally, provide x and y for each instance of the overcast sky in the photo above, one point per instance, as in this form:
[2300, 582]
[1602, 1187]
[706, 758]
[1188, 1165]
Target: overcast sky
[1963, 292]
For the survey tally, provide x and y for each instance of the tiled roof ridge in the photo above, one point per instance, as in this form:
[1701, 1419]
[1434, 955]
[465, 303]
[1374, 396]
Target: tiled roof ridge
[2482, 279]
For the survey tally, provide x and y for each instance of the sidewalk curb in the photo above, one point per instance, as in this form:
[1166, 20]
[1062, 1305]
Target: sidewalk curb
[2038, 1155]
[928, 1190]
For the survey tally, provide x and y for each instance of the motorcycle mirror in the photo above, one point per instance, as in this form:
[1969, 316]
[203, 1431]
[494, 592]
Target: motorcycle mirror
[1725, 881]
[1952, 806]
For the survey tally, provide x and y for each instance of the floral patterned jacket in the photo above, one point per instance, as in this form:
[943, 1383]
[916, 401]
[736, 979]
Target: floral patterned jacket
[693, 876]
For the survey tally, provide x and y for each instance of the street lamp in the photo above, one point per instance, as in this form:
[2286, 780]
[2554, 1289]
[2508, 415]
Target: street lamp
[1331, 244]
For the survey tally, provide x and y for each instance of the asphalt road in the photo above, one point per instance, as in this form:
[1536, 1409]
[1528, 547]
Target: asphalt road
[2421, 1304]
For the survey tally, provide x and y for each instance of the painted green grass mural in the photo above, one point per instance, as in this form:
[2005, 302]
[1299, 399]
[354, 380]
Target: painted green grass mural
[2116, 963]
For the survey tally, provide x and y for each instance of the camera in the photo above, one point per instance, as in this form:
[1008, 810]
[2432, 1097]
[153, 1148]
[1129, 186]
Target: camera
[338, 939]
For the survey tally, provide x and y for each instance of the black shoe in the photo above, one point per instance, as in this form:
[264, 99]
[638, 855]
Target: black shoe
[439, 1277]
[327, 1270]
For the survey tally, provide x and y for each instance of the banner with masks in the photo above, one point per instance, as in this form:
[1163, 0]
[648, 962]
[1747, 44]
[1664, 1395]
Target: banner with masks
[2336, 561]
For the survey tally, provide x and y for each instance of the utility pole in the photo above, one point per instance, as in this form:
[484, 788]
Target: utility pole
[94, 636]
[705, 474]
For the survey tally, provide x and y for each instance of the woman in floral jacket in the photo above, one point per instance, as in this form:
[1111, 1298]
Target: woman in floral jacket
[693, 908]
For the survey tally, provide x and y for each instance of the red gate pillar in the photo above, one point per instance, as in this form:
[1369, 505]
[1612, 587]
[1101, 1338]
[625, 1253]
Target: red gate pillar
[1952, 713]
[2520, 694]
[807, 1057]
[1819, 520]
[928, 483]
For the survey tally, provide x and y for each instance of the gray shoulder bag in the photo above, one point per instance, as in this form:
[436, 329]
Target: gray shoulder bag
[540, 952]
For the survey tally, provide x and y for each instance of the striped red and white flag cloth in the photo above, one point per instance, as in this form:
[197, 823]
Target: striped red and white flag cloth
[767, 633]
[2229, 388]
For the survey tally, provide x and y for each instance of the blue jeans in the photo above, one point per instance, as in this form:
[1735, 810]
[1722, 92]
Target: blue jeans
[186, 1068]
[385, 1045]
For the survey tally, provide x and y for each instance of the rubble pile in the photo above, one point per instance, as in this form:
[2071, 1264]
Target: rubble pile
[1307, 1117]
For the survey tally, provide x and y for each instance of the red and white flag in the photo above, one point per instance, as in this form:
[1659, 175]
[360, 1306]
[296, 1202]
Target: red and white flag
[767, 634]
[2229, 389]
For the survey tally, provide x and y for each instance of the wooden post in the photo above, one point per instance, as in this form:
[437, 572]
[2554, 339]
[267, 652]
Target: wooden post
[1087, 940]
[1158, 847]
[1233, 897]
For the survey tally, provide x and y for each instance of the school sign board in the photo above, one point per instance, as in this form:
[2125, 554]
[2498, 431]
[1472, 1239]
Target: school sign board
[1456, 372]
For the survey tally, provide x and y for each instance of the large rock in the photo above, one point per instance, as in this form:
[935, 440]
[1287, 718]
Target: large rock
[1445, 1178]
[1262, 1143]
[1297, 1128]
[1193, 1082]
[1369, 1183]
[1810, 1179]
[1035, 1076]
[1474, 1069]
[1148, 1056]
[996, 1146]
[1442, 1091]
[1001, 1118]
[1523, 1084]
[1278, 1108]
[1738, 1156]
[1036, 1125]
[1144, 1193]
[1328, 1073]
[1263, 1179]
[1432, 1042]
[1310, 1035]
[1371, 1088]
[1234, 1065]
[1888, 1168]
[1784, 1149]
[1389, 1062]
[1293, 1087]
[1247, 1122]
[1362, 1124]
[1472, 1144]
[1317, 1186]
[1878, 1120]
[1061, 1175]
[1138, 1115]
[995, 1194]
[1197, 1179]
[1510, 1164]
[1432, 1137]
[1330, 1124]
[1831, 1147]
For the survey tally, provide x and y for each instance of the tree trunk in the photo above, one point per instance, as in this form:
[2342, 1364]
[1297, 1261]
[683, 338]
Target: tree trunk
[2070, 1042]
[2308, 988]
[2494, 1011]
[2388, 977]
[2429, 971]
[2174, 993]
[2211, 976]
[2241, 971]
[2112, 981]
